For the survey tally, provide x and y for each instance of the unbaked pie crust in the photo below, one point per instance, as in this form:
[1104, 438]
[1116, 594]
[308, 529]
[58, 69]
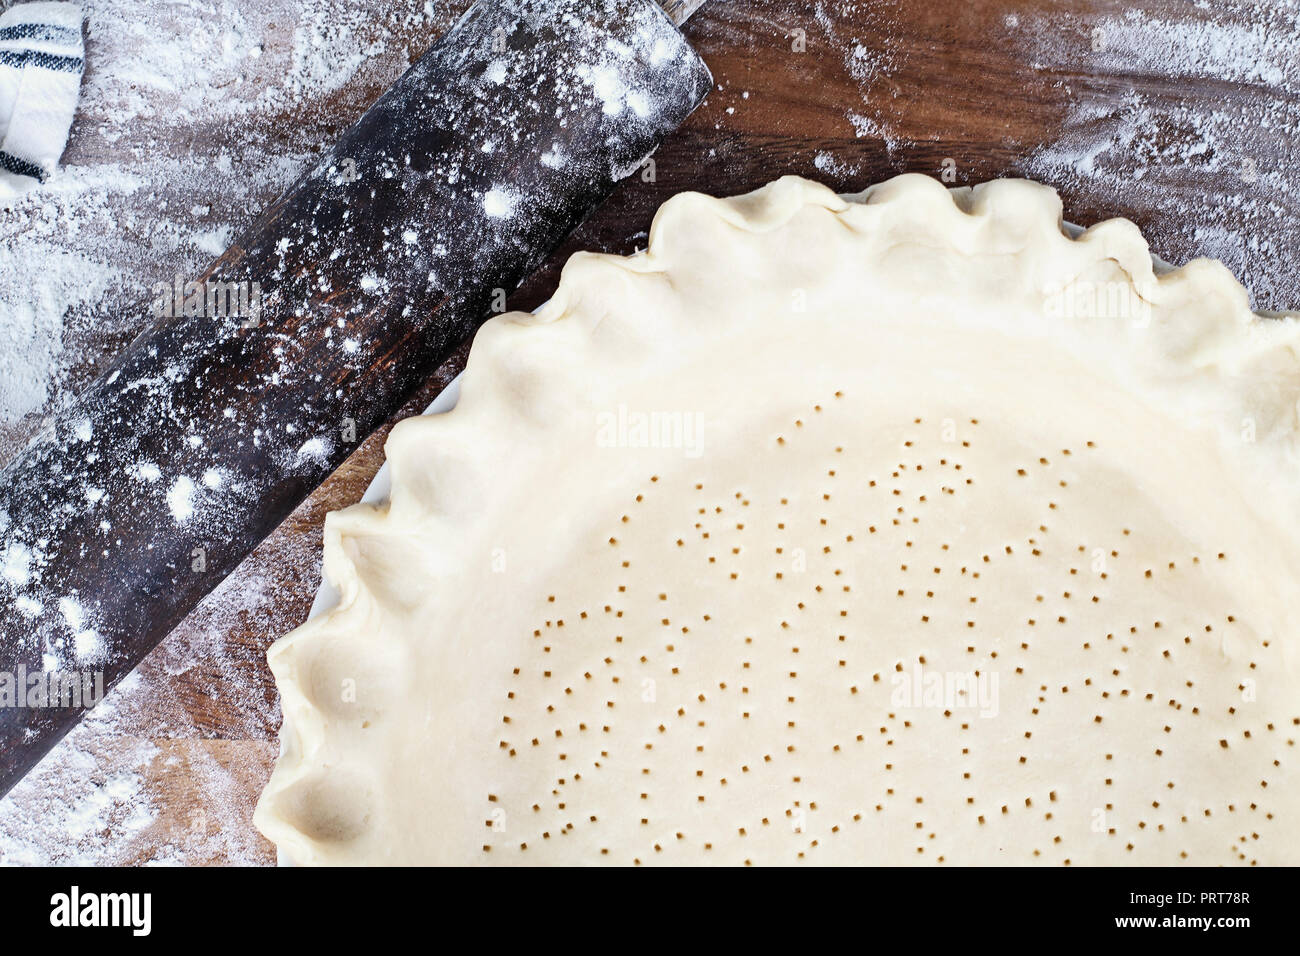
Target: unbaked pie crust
[896, 528]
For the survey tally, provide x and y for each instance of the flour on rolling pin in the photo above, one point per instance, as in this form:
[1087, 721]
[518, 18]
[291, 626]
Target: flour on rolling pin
[347, 292]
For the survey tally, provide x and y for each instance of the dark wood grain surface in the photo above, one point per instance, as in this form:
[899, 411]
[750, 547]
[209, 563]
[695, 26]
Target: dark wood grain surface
[1181, 117]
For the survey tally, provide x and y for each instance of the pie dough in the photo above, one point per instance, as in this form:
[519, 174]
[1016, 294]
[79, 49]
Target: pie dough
[895, 528]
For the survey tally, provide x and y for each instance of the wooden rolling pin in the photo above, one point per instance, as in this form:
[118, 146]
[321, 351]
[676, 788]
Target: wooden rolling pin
[259, 377]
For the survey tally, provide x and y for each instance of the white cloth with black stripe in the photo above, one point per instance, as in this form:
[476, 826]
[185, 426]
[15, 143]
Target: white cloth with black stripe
[41, 61]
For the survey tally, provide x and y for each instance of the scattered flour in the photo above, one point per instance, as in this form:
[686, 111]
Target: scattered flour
[212, 242]
[39, 284]
[316, 448]
[180, 138]
[63, 811]
[1217, 181]
[499, 203]
[827, 162]
[137, 782]
[180, 499]
[1215, 173]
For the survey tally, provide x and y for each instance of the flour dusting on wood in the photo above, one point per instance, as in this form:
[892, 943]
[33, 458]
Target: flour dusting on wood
[192, 117]
[1218, 181]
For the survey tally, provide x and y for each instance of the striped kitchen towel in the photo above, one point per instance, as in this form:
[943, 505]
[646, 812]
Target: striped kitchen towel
[41, 61]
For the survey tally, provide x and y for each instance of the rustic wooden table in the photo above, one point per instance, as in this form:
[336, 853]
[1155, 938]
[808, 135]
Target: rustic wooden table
[1180, 116]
